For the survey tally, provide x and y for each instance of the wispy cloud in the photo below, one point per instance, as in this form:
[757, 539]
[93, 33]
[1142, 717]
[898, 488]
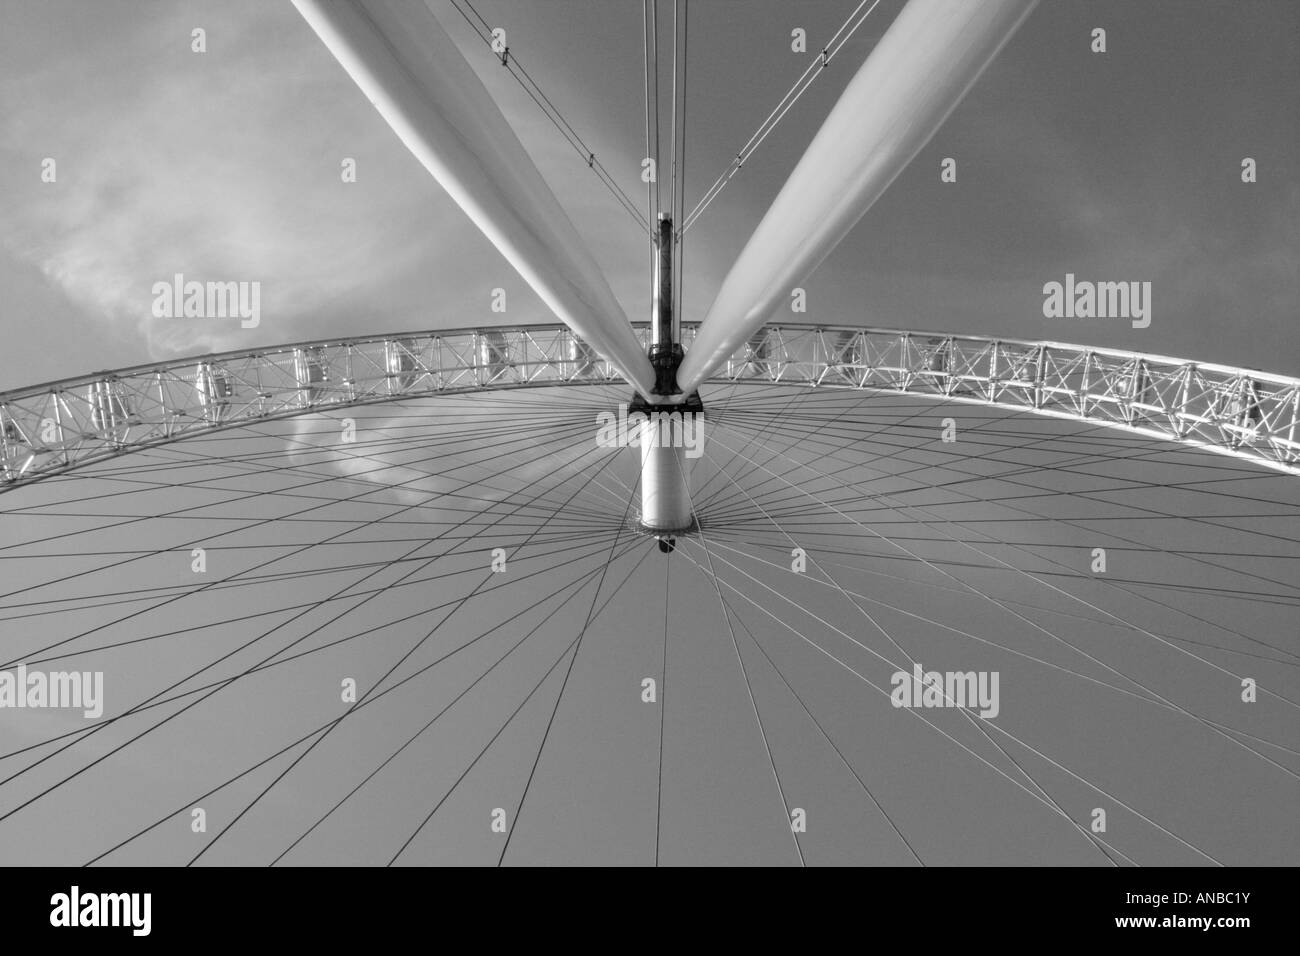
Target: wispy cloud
[220, 166]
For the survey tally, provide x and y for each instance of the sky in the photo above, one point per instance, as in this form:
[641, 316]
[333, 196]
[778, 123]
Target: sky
[1123, 166]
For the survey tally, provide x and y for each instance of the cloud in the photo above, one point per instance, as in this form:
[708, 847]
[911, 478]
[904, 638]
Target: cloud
[221, 166]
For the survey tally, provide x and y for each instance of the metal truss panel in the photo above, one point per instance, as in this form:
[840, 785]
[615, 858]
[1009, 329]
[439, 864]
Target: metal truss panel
[52, 428]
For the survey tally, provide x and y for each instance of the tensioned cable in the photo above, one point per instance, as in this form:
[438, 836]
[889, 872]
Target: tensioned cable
[526, 82]
[1134, 484]
[391, 670]
[650, 149]
[353, 525]
[737, 536]
[208, 538]
[1063, 465]
[577, 647]
[928, 487]
[100, 726]
[373, 687]
[663, 683]
[901, 650]
[1111, 583]
[832, 526]
[1167, 446]
[96, 601]
[1003, 647]
[472, 437]
[744, 672]
[576, 429]
[182, 710]
[241, 430]
[1104, 450]
[702, 494]
[708, 521]
[1039, 518]
[108, 723]
[964, 711]
[654, 52]
[579, 542]
[1068, 574]
[181, 695]
[500, 730]
[672, 135]
[410, 740]
[800, 87]
[1033, 576]
[917, 713]
[404, 681]
[822, 730]
[1214, 725]
[679, 206]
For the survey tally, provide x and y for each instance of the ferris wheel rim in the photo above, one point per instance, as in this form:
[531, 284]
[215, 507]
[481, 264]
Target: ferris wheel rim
[1244, 413]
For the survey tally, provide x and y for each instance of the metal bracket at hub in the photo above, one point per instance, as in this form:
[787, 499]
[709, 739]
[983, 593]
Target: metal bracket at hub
[665, 467]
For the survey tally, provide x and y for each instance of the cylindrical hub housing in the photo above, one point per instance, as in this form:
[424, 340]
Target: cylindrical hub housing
[669, 446]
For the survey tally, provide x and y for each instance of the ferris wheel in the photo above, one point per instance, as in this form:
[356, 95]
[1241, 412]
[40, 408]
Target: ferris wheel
[733, 591]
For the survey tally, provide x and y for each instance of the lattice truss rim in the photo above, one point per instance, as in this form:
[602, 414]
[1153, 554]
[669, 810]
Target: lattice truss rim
[58, 426]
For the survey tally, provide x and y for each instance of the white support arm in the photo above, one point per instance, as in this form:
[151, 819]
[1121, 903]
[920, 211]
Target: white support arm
[917, 74]
[413, 73]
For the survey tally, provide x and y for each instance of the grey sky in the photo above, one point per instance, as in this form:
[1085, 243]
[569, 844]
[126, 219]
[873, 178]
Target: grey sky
[226, 166]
